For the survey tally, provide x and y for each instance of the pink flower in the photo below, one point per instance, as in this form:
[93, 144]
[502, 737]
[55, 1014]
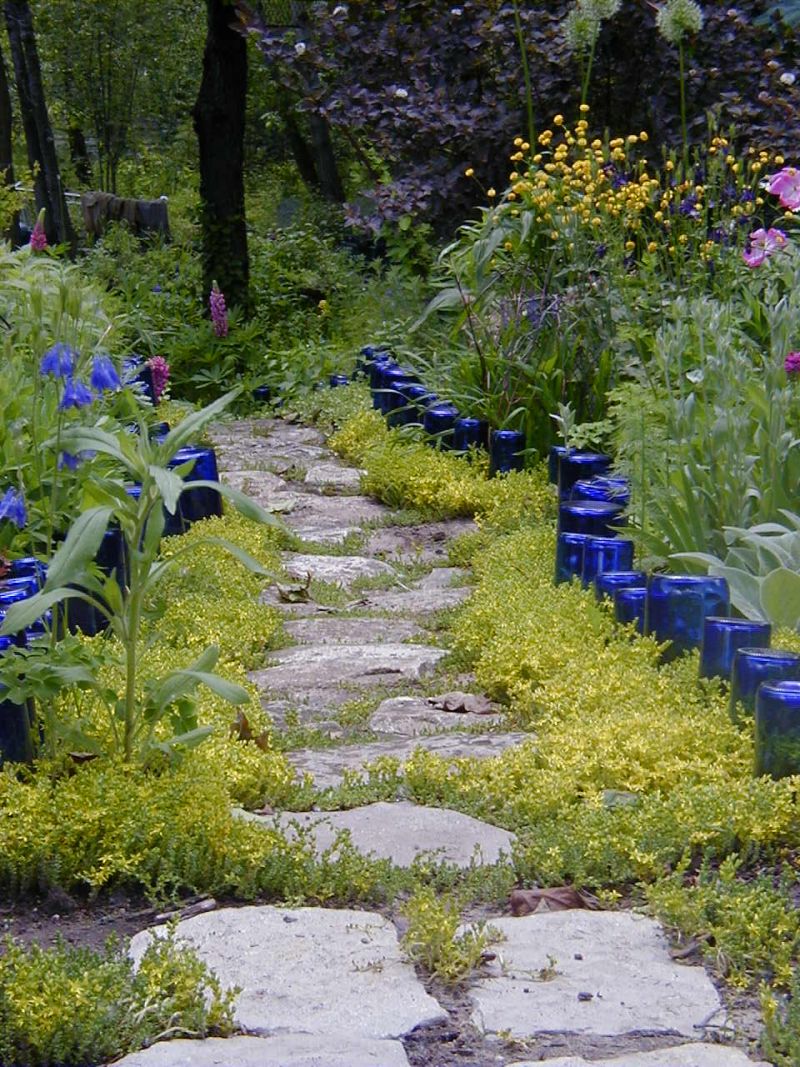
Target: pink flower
[786, 186]
[219, 313]
[792, 363]
[159, 371]
[39, 237]
[761, 244]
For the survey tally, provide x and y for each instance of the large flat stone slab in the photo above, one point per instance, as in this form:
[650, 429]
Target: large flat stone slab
[334, 476]
[426, 542]
[339, 570]
[315, 970]
[281, 1050]
[328, 766]
[414, 716]
[331, 630]
[252, 481]
[403, 831]
[614, 975]
[695, 1055]
[319, 667]
[432, 593]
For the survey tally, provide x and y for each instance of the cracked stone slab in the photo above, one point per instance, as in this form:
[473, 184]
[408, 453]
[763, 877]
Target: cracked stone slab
[280, 1050]
[335, 476]
[401, 832]
[412, 716]
[317, 515]
[339, 570]
[328, 766]
[614, 975]
[325, 667]
[417, 601]
[694, 1055]
[331, 630]
[247, 481]
[427, 542]
[316, 970]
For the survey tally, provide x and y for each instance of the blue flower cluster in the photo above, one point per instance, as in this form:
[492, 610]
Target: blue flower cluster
[12, 507]
[60, 361]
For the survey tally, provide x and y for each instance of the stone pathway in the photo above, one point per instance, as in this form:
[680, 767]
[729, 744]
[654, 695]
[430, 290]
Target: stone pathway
[330, 987]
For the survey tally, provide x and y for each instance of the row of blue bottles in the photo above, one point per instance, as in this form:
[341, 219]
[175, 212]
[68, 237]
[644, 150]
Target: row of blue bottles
[566, 466]
[16, 723]
[586, 556]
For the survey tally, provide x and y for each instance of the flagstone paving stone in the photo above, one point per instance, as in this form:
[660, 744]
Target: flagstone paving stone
[334, 476]
[332, 630]
[590, 972]
[413, 716]
[340, 570]
[280, 1050]
[326, 666]
[328, 765]
[309, 970]
[694, 1055]
[401, 832]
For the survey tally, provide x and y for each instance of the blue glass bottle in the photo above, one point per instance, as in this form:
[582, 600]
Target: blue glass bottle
[722, 637]
[569, 556]
[173, 523]
[16, 737]
[9, 597]
[606, 554]
[158, 431]
[337, 380]
[202, 502]
[377, 370]
[614, 490]
[438, 423]
[506, 452]
[554, 457]
[630, 606]
[594, 517]
[777, 752]
[575, 466]
[751, 667]
[608, 582]
[417, 398]
[262, 394]
[678, 605]
[470, 433]
[394, 378]
[28, 567]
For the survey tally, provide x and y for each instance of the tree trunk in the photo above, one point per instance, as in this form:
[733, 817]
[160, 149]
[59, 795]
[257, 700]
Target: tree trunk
[36, 121]
[219, 120]
[79, 154]
[330, 184]
[6, 153]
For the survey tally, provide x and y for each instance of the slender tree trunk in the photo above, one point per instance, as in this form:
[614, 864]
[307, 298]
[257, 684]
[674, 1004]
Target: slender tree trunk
[330, 184]
[6, 153]
[219, 120]
[36, 121]
[79, 154]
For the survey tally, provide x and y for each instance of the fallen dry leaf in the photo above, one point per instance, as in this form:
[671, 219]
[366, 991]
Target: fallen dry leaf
[463, 703]
[560, 898]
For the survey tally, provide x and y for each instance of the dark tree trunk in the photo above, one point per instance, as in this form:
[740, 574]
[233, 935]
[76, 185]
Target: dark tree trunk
[79, 154]
[330, 184]
[36, 121]
[6, 154]
[219, 119]
[303, 156]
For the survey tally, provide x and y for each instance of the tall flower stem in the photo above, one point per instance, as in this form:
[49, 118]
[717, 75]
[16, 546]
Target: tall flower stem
[587, 73]
[526, 74]
[684, 132]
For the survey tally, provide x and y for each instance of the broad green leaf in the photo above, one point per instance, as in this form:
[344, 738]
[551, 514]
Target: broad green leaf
[234, 694]
[25, 612]
[81, 545]
[244, 504]
[780, 598]
[178, 683]
[244, 558]
[170, 485]
[188, 740]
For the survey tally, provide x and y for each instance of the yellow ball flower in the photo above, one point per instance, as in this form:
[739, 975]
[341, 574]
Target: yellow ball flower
[643, 136]
[559, 121]
[491, 192]
[652, 246]
[583, 108]
[469, 172]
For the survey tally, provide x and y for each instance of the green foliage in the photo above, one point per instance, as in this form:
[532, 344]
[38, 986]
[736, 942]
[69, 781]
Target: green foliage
[135, 711]
[780, 1040]
[763, 572]
[749, 928]
[78, 1006]
[435, 941]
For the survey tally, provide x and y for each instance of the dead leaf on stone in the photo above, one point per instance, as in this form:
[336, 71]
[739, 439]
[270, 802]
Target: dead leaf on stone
[296, 592]
[463, 703]
[82, 757]
[559, 898]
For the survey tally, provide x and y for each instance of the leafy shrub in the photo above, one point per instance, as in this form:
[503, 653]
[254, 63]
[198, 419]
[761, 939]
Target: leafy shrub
[76, 1006]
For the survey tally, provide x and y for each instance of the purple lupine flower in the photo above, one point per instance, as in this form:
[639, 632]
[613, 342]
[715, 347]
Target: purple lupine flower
[104, 374]
[68, 461]
[159, 372]
[58, 361]
[77, 394]
[39, 237]
[792, 363]
[12, 507]
[219, 313]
